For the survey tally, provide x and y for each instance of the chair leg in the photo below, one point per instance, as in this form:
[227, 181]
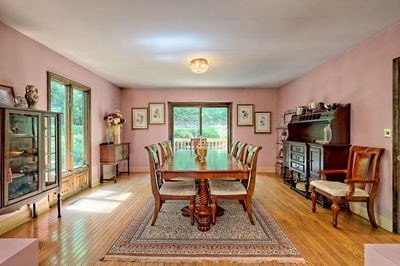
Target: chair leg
[348, 209]
[213, 209]
[249, 211]
[335, 211]
[243, 204]
[371, 213]
[314, 197]
[157, 207]
[191, 209]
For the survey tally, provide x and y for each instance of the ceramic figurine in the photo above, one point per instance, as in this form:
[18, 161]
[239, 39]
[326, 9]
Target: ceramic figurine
[31, 96]
[20, 101]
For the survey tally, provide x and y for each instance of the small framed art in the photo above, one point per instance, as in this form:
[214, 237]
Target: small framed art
[6, 95]
[245, 114]
[156, 113]
[262, 122]
[139, 118]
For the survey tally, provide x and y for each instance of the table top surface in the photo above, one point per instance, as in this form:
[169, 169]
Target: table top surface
[216, 161]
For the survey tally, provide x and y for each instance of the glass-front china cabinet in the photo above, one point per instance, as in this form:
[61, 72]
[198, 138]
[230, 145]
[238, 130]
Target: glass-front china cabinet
[30, 161]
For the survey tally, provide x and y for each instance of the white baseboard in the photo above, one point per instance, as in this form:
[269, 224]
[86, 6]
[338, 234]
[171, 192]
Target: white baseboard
[265, 169]
[382, 221]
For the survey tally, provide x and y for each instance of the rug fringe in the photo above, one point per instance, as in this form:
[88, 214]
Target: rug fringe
[204, 259]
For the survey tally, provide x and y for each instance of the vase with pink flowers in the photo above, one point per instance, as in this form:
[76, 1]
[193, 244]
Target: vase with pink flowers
[114, 121]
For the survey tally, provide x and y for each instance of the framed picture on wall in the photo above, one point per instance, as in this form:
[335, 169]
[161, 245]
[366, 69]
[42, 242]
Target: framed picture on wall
[245, 114]
[262, 122]
[156, 113]
[6, 95]
[139, 118]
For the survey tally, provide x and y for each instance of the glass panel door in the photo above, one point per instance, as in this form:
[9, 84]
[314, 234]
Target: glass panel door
[23, 157]
[50, 150]
[206, 120]
[215, 127]
[186, 126]
[79, 129]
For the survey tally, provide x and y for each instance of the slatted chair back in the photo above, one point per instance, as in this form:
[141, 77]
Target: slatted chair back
[363, 169]
[166, 152]
[240, 151]
[154, 162]
[234, 147]
[251, 154]
[169, 148]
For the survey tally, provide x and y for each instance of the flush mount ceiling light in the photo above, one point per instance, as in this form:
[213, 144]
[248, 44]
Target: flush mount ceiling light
[199, 65]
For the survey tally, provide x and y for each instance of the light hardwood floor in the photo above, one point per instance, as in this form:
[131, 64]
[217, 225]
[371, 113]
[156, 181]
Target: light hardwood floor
[83, 236]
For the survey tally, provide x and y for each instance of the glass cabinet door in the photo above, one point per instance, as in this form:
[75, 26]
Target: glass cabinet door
[21, 158]
[50, 150]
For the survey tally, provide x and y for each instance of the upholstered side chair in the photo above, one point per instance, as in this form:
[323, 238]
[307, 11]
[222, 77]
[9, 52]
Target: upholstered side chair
[162, 191]
[241, 190]
[360, 185]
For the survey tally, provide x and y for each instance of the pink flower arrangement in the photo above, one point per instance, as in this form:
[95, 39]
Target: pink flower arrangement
[114, 119]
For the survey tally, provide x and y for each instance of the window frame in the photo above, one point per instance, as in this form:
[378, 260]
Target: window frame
[201, 105]
[71, 85]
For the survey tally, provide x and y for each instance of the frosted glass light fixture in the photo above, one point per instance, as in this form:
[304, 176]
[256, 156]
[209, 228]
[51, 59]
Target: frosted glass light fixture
[199, 65]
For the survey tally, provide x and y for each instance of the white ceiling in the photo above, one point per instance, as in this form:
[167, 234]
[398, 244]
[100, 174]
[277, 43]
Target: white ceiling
[149, 43]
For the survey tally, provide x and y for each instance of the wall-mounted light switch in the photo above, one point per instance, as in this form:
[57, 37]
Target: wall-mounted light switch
[387, 133]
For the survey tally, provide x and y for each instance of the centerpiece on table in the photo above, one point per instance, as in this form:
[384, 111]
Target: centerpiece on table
[201, 150]
[114, 122]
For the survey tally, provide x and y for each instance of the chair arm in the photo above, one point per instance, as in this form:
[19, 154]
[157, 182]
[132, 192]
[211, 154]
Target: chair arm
[354, 181]
[325, 172]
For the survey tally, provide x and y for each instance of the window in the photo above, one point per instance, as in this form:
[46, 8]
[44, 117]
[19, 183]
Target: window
[208, 120]
[72, 100]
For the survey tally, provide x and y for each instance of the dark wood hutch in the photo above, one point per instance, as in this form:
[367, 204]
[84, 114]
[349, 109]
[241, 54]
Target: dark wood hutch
[316, 141]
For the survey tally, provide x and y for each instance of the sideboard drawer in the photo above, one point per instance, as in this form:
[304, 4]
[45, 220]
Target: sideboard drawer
[297, 167]
[298, 148]
[297, 157]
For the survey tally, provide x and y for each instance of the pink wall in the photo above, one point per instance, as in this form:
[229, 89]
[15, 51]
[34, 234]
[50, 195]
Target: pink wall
[24, 61]
[362, 76]
[263, 100]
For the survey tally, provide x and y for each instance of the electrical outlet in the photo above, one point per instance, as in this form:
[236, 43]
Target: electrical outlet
[387, 133]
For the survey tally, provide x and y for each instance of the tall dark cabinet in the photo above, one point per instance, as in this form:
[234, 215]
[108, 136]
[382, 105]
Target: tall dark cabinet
[316, 141]
[30, 157]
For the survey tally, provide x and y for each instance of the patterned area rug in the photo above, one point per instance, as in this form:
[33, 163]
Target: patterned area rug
[232, 238]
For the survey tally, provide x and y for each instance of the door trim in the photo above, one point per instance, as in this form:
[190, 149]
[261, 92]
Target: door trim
[396, 143]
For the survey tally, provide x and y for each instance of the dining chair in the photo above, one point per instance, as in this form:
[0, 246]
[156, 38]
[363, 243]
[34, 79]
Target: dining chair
[234, 147]
[166, 154]
[240, 151]
[237, 151]
[162, 191]
[169, 147]
[241, 190]
[166, 150]
[360, 185]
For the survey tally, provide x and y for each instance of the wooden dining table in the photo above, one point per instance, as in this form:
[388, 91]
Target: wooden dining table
[218, 164]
